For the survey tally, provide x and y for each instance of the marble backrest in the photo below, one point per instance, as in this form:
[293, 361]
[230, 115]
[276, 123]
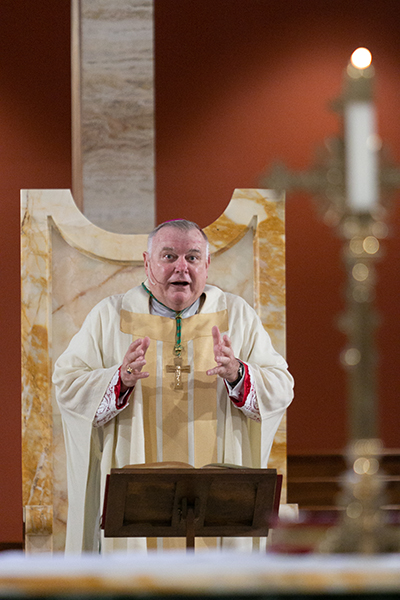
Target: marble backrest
[67, 266]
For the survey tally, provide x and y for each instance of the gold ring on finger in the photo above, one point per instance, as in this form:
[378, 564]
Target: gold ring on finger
[129, 370]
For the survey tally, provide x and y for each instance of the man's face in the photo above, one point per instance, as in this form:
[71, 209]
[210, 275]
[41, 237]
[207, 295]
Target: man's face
[177, 268]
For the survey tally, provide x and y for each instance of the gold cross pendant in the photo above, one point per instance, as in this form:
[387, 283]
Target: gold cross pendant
[178, 369]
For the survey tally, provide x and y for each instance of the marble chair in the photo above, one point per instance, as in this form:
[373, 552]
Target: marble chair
[68, 265]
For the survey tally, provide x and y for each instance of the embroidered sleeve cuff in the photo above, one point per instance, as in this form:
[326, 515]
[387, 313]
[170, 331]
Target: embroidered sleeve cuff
[244, 396]
[112, 403]
[238, 393]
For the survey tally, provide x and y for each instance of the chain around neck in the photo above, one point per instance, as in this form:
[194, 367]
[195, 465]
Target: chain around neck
[178, 322]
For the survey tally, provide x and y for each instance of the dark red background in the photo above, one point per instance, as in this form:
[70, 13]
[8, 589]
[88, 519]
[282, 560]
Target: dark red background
[239, 84]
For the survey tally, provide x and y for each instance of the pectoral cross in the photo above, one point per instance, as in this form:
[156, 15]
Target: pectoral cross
[178, 369]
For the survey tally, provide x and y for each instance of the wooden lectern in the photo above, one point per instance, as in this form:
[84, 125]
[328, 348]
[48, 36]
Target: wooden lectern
[189, 502]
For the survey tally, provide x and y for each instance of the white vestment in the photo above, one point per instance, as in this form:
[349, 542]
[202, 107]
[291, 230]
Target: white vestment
[198, 424]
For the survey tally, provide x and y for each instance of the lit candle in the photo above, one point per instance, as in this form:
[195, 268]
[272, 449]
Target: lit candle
[360, 137]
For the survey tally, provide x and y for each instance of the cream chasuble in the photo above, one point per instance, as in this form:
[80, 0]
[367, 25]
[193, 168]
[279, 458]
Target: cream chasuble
[196, 424]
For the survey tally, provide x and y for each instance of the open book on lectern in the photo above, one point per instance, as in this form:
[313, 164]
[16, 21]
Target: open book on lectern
[164, 499]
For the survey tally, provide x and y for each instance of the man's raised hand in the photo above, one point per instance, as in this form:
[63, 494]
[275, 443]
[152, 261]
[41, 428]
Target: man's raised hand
[227, 365]
[133, 363]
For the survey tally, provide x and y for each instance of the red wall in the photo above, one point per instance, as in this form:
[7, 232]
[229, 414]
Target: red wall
[35, 152]
[239, 84]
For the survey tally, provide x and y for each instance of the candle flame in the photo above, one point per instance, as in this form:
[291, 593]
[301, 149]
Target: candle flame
[361, 58]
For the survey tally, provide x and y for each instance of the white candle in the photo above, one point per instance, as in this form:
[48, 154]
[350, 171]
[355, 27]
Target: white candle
[361, 160]
[361, 156]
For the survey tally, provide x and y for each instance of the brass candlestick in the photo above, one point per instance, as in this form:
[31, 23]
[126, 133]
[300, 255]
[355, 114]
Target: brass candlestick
[360, 219]
[363, 526]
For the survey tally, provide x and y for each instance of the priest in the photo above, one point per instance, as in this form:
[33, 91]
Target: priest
[170, 371]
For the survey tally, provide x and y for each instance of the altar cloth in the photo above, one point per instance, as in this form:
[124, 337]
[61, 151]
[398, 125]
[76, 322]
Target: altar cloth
[204, 573]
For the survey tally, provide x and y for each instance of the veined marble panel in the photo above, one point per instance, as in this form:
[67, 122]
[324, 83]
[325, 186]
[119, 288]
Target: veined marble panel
[68, 266]
[117, 114]
[248, 258]
[79, 282]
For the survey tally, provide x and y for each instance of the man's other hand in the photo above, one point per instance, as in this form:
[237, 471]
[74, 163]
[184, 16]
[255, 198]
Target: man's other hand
[227, 365]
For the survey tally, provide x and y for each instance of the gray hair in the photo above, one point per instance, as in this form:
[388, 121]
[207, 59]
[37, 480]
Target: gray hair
[182, 225]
